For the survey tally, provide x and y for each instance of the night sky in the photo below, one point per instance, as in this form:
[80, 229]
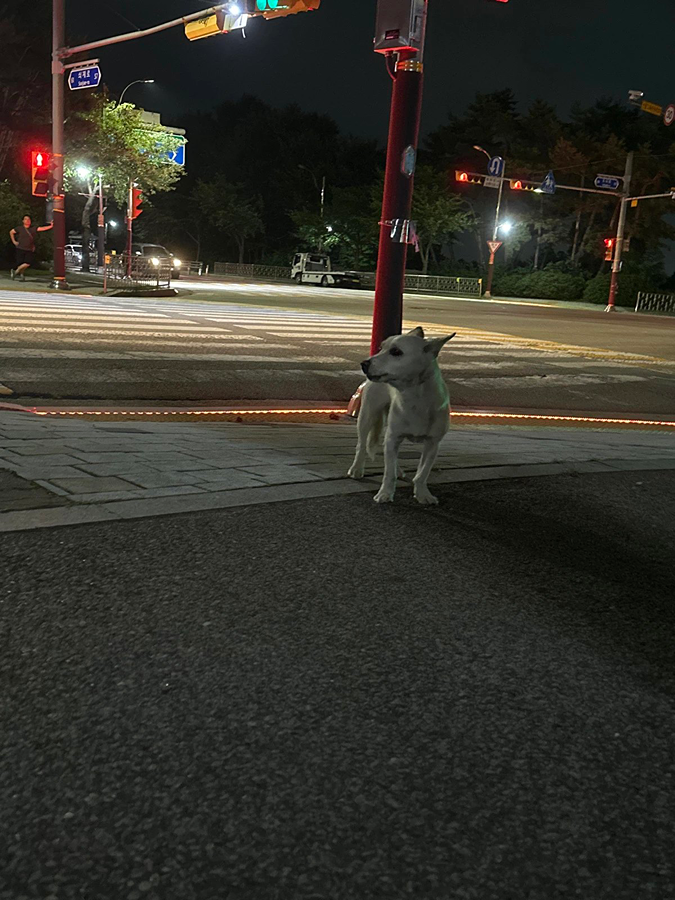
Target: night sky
[563, 52]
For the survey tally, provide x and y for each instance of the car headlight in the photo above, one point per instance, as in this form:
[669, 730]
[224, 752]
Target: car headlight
[177, 262]
[154, 261]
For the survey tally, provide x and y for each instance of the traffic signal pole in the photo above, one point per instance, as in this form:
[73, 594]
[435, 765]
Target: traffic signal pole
[618, 248]
[396, 229]
[59, 206]
[495, 233]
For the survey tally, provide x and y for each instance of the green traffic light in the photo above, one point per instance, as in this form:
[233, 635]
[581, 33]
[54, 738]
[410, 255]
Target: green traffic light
[267, 4]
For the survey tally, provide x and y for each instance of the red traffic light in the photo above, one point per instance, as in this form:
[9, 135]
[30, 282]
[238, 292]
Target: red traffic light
[609, 243]
[39, 173]
[461, 176]
[136, 200]
[516, 185]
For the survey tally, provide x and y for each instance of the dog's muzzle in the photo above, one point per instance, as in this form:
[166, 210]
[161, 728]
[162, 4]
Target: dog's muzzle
[365, 365]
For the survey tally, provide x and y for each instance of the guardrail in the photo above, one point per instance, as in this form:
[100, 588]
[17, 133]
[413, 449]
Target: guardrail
[651, 302]
[136, 274]
[252, 271]
[443, 284]
[195, 268]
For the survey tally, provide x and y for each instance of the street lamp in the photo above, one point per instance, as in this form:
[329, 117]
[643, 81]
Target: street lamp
[83, 172]
[131, 84]
[505, 227]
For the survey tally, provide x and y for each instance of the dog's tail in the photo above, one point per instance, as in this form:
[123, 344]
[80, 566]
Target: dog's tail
[375, 434]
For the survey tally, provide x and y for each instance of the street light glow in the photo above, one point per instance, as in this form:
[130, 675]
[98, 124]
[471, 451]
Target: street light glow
[83, 171]
[506, 227]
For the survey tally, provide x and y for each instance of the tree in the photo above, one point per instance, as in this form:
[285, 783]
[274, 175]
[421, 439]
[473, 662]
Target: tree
[115, 142]
[438, 214]
[230, 210]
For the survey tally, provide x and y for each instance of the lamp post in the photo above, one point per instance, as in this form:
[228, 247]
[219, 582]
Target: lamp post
[131, 84]
[491, 263]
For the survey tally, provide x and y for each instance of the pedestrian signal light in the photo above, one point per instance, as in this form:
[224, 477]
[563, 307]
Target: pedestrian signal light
[40, 173]
[136, 200]
[609, 246]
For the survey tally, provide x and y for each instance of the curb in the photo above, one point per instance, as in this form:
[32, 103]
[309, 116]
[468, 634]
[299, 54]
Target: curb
[126, 510]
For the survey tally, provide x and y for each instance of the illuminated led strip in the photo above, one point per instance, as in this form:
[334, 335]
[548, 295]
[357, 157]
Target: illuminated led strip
[535, 417]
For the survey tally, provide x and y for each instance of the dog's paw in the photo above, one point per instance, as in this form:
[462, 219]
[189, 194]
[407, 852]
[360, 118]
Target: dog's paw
[425, 497]
[384, 496]
[356, 471]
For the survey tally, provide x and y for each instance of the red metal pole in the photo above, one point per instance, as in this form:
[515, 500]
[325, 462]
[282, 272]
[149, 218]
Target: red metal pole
[404, 125]
[130, 223]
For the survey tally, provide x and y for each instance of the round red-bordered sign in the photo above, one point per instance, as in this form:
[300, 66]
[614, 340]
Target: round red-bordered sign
[669, 114]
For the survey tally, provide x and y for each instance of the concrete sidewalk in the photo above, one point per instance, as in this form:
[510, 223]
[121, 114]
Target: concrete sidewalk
[56, 471]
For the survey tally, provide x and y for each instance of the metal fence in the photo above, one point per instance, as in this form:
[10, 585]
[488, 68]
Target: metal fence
[442, 284]
[137, 274]
[649, 302]
[249, 271]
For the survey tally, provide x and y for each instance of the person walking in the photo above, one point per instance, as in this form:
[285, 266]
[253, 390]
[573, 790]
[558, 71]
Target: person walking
[23, 239]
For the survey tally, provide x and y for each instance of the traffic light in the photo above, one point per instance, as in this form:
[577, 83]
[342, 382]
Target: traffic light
[468, 177]
[609, 247]
[220, 23]
[136, 200]
[273, 9]
[40, 173]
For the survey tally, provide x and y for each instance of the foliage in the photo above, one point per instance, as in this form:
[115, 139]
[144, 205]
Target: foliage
[116, 141]
[227, 209]
[438, 214]
[597, 289]
[549, 283]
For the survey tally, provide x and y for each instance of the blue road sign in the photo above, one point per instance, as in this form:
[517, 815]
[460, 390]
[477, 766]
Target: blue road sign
[548, 184]
[177, 155]
[609, 182]
[86, 77]
[496, 166]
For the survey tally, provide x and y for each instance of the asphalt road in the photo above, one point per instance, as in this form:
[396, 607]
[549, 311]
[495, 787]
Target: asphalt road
[328, 699]
[263, 343]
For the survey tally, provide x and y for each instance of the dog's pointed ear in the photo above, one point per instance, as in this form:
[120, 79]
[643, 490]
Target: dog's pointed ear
[435, 344]
[418, 332]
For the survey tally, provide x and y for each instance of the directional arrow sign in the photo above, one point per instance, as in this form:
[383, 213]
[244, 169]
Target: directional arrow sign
[86, 77]
[609, 182]
[496, 166]
[548, 184]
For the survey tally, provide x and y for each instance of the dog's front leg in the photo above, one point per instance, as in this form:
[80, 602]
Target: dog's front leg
[391, 447]
[429, 452]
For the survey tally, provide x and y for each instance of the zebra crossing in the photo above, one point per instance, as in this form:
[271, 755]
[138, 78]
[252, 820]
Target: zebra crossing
[55, 326]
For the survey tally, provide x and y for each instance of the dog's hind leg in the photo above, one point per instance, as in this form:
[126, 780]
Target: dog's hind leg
[422, 493]
[364, 424]
[368, 427]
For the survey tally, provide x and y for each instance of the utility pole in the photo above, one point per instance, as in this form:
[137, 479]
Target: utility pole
[400, 34]
[59, 208]
[616, 263]
[100, 235]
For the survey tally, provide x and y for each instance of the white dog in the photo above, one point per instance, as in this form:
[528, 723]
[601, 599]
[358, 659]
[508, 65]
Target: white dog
[405, 396]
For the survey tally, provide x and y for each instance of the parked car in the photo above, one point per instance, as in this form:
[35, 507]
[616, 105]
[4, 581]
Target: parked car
[160, 254]
[73, 254]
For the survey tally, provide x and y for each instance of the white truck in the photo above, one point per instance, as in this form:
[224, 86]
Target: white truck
[315, 268]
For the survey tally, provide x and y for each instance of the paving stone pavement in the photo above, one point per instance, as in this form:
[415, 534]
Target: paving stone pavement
[59, 471]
